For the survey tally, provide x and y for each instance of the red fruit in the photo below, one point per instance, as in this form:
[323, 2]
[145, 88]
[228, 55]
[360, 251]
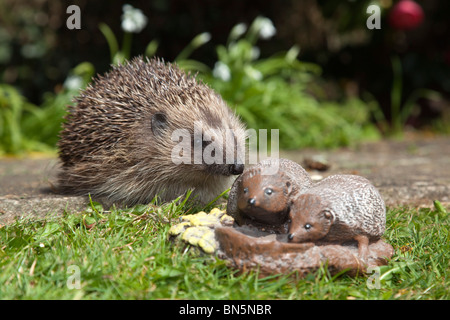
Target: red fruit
[406, 15]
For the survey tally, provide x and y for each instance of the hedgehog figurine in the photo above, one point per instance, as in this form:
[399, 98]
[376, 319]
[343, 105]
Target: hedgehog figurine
[131, 136]
[261, 194]
[339, 208]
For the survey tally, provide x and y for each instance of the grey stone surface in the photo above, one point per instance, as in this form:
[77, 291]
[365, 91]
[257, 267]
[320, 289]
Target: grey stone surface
[26, 190]
[411, 172]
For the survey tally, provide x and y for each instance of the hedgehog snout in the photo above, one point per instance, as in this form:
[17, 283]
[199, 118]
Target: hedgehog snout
[237, 168]
[251, 201]
[290, 236]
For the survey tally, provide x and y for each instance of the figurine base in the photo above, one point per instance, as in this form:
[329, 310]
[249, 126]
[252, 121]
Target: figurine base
[247, 248]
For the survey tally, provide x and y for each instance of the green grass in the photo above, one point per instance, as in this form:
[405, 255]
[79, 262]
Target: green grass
[125, 254]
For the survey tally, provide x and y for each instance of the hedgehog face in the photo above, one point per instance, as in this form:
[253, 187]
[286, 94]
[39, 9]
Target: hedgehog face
[264, 198]
[311, 219]
[220, 152]
[208, 151]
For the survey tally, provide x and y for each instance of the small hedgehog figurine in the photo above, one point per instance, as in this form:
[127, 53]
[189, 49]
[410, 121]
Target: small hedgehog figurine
[262, 193]
[338, 209]
[131, 136]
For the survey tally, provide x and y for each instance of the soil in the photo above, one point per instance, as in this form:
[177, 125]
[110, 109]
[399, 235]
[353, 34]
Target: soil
[412, 172]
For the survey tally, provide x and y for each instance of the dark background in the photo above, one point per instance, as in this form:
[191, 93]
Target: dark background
[37, 50]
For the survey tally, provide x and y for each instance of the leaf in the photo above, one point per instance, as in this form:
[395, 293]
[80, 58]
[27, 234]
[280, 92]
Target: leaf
[151, 48]
[89, 222]
[110, 38]
[192, 65]
[166, 273]
[197, 42]
[20, 240]
[439, 207]
[49, 229]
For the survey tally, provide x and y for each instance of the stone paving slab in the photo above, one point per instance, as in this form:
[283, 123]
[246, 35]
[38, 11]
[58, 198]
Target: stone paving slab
[26, 190]
[410, 172]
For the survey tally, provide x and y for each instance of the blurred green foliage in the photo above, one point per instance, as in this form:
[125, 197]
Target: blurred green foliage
[25, 127]
[311, 105]
[267, 93]
[272, 93]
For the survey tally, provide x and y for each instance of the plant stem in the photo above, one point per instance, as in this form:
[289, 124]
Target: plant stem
[126, 45]
[110, 38]
[197, 42]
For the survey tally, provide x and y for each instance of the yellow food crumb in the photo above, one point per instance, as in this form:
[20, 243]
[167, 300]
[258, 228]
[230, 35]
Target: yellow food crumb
[198, 229]
[209, 221]
[227, 220]
[208, 242]
[189, 217]
[194, 234]
[216, 212]
[178, 228]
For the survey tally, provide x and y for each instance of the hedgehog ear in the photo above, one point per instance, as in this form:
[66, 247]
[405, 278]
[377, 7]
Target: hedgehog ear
[289, 187]
[328, 215]
[159, 123]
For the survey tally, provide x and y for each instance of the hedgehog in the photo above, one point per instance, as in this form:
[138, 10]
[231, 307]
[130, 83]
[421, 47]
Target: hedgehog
[339, 208]
[146, 129]
[262, 193]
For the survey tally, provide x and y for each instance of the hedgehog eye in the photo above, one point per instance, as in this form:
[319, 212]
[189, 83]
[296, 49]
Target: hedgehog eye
[159, 123]
[308, 226]
[268, 191]
[245, 190]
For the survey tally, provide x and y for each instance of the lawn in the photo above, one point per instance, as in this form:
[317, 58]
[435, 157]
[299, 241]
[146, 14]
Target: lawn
[125, 254]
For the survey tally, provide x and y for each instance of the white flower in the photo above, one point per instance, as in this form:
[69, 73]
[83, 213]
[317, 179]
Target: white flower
[237, 31]
[221, 71]
[255, 53]
[266, 28]
[73, 82]
[133, 20]
[253, 73]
